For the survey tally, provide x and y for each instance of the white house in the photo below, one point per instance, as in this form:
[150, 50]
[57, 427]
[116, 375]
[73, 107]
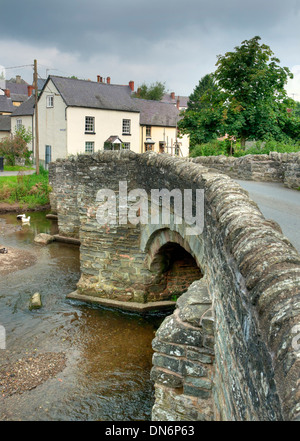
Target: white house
[79, 116]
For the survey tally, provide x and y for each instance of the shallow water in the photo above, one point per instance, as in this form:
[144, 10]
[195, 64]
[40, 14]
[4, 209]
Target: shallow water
[109, 353]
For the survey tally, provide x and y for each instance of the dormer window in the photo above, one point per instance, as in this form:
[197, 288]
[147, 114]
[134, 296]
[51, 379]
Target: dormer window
[50, 100]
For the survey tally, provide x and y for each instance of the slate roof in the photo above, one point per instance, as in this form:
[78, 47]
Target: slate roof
[6, 104]
[83, 93]
[5, 123]
[17, 88]
[156, 113]
[89, 94]
[183, 100]
[26, 108]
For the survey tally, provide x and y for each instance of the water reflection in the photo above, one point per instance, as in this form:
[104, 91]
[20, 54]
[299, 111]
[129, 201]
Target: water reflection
[109, 353]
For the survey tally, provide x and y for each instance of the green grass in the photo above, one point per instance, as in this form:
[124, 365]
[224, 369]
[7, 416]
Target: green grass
[17, 168]
[32, 190]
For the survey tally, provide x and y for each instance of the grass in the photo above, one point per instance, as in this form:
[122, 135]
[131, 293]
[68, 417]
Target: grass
[17, 168]
[32, 190]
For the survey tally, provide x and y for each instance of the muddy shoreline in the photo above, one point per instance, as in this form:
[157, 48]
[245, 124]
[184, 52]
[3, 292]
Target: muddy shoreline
[14, 208]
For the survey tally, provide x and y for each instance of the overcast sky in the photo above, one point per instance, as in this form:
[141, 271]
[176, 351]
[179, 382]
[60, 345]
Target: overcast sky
[172, 41]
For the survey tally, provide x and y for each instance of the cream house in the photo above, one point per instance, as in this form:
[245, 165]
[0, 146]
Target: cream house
[23, 115]
[79, 116]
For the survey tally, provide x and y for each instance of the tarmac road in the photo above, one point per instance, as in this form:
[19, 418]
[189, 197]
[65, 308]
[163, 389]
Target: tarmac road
[279, 203]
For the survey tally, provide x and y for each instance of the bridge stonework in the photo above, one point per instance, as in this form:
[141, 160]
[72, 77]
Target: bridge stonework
[229, 351]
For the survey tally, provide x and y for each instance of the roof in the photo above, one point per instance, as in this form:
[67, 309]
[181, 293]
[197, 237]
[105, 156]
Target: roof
[156, 113]
[18, 88]
[5, 123]
[26, 108]
[84, 93]
[18, 97]
[6, 104]
[114, 138]
[95, 95]
[183, 100]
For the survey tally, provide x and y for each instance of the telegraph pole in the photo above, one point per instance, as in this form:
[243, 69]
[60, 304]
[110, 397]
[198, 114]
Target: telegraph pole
[37, 154]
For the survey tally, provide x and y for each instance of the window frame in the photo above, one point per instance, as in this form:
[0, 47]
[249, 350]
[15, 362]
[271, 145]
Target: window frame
[92, 143]
[49, 101]
[18, 123]
[126, 124]
[126, 145]
[91, 123]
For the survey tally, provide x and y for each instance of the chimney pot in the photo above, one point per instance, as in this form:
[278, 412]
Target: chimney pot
[30, 89]
[108, 80]
[7, 93]
[178, 102]
[173, 95]
[98, 79]
[131, 85]
[18, 79]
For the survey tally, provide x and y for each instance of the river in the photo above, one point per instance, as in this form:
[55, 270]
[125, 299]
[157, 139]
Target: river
[108, 352]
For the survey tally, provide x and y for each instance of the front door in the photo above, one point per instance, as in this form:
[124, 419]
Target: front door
[47, 155]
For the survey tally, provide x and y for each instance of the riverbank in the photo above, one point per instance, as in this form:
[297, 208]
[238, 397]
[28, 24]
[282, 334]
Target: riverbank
[17, 208]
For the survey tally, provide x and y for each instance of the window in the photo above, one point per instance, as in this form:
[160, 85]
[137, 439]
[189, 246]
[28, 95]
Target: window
[18, 123]
[148, 131]
[50, 101]
[126, 145]
[126, 127]
[89, 124]
[89, 147]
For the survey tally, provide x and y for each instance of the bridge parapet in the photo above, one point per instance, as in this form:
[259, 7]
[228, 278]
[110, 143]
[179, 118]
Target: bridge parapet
[252, 271]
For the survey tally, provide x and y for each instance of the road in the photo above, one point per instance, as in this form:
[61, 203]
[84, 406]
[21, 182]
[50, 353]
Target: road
[278, 203]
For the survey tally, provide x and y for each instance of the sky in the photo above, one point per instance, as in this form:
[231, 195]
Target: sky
[174, 42]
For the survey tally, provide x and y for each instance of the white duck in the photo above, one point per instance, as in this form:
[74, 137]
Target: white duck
[20, 216]
[25, 220]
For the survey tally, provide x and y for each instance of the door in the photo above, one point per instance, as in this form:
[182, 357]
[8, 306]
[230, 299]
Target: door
[47, 155]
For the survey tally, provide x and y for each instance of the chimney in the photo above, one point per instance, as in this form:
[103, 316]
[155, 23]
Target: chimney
[173, 95]
[98, 78]
[18, 79]
[30, 89]
[108, 80]
[7, 92]
[131, 85]
[178, 102]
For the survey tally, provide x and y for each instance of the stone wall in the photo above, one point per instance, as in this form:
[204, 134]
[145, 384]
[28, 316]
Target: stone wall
[275, 167]
[251, 271]
[183, 360]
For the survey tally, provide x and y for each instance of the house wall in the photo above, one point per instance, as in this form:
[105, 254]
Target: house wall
[52, 124]
[167, 134]
[28, 123]
[4, 135]
[107, 123]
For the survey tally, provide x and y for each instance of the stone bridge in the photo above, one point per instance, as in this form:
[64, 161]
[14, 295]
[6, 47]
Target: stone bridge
[230, 350]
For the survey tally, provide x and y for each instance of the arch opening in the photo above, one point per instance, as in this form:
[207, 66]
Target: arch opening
[174, 270]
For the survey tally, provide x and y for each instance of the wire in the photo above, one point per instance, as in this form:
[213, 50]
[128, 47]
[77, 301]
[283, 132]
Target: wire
[18, 67]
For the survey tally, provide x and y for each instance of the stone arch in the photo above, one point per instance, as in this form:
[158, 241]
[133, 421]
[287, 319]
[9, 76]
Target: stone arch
[173, 265]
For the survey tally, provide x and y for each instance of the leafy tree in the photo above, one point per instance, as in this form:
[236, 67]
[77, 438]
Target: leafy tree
[253, 83]
[154, 91]
[203, 119]
[244, 97]
[15, 146]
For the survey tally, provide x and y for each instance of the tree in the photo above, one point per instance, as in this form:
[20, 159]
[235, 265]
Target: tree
[15, 146]
[253, 84]
[154, 91]
[244, 98]
[203, 119]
